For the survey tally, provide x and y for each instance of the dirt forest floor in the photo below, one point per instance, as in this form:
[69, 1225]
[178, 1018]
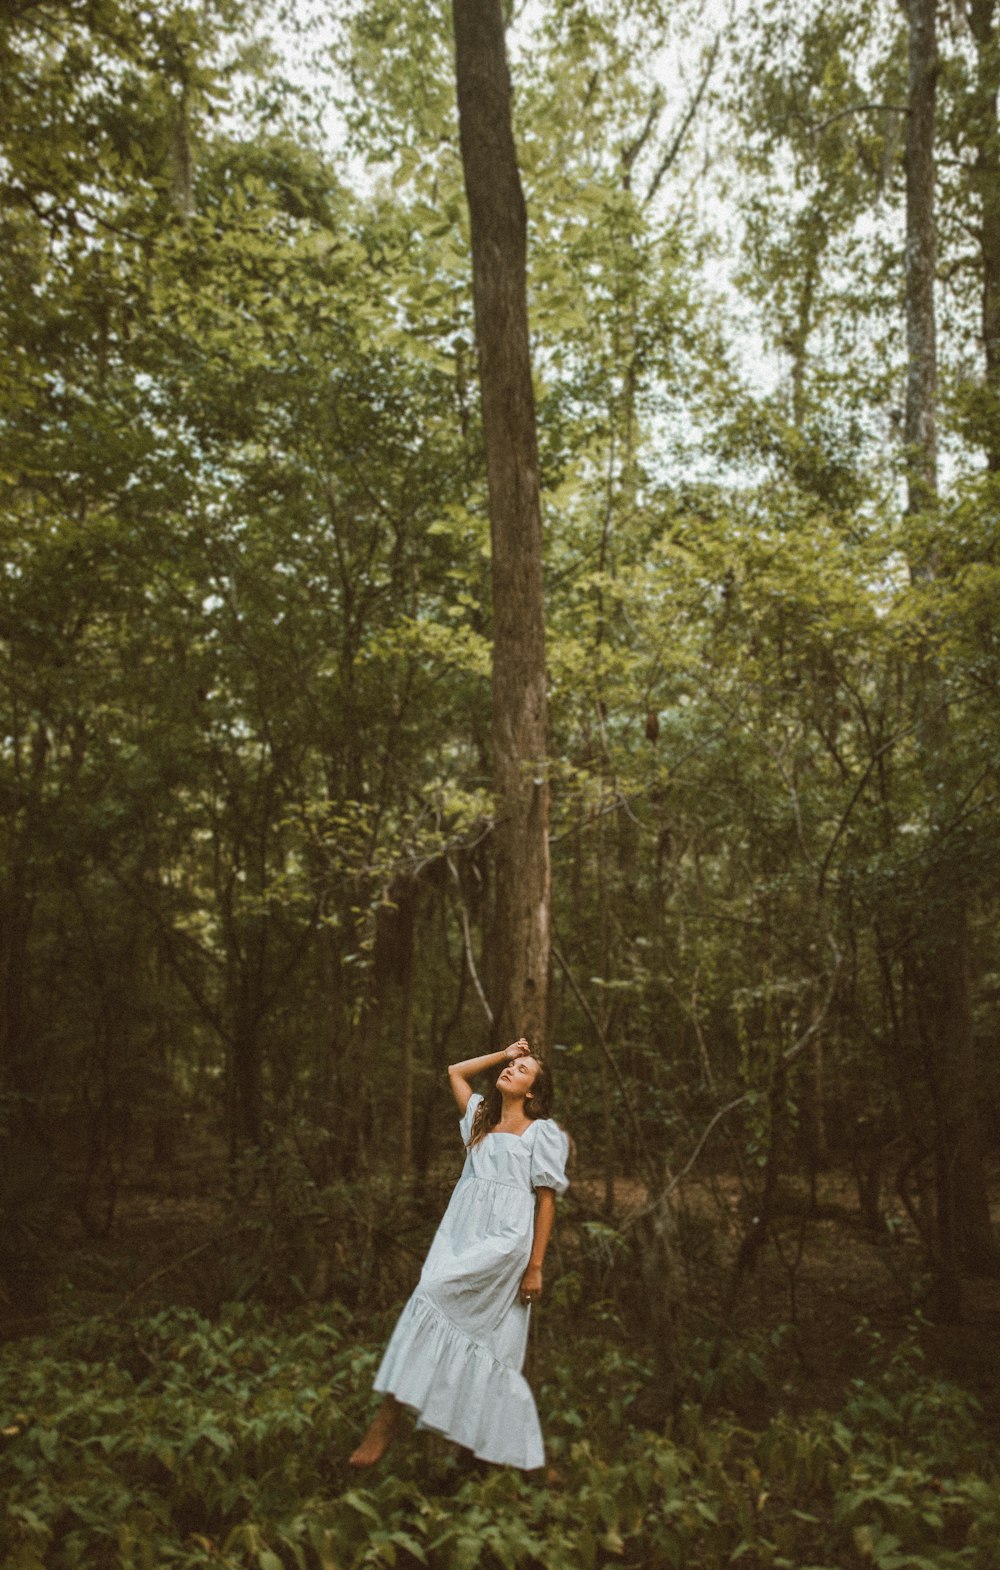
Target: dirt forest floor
[822, 1275]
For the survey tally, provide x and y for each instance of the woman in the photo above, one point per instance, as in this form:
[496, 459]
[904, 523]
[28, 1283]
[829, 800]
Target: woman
[456, 1354]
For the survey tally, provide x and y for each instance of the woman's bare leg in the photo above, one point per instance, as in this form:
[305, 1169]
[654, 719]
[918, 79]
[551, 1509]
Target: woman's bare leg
[380, 1434]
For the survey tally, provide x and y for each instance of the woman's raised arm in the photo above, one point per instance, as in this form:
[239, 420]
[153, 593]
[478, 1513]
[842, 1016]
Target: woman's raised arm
[459, 1074]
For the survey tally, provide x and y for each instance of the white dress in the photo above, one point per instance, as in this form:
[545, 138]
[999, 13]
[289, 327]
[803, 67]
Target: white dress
[458, 1348]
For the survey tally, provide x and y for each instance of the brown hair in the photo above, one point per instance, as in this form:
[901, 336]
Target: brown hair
[489, 1109]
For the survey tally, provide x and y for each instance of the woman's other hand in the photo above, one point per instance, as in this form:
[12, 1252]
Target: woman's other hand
[531, 1284]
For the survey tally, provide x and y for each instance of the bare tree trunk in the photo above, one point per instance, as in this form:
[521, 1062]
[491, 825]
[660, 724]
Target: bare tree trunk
[818, 1139]
[607, 1121]
[940, 964]
[521, 935]
[17, 905]
[984, 131]
[406, 923]
[798, 342]
[921, 258]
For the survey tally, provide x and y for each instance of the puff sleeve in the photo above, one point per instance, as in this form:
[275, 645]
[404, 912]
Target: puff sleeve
[549, 1151]
[467, 1116]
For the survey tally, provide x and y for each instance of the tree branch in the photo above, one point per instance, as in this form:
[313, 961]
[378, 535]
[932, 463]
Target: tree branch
[632, 151]
[815, 126]
[463, 911]
[677, 142]
[610, 1059]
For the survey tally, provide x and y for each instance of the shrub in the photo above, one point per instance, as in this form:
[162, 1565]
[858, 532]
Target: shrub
[184, 1442]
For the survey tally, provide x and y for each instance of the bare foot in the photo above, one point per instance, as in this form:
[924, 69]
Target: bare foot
[379, 1436]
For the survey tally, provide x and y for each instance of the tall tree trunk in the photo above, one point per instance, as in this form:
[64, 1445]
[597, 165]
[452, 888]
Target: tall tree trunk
[984, 132]
[798, 341]
[30, 753]
[521, 935]
[940, 965]
[406, 920]
[921, 258]
[607, 1121]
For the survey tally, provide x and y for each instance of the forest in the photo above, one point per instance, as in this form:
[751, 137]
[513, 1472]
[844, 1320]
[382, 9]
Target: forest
[480, 562]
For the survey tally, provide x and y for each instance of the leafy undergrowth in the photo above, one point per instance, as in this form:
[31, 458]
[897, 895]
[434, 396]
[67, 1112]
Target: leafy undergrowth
[179, 1441]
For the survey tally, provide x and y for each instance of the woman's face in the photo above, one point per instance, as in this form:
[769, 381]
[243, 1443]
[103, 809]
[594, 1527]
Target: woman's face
[519, 1076]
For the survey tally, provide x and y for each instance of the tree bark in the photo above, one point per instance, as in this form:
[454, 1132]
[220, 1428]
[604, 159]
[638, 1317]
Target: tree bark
[938, 955]
[521, 932]
[406, 920]
[921, 258]
[984, 131]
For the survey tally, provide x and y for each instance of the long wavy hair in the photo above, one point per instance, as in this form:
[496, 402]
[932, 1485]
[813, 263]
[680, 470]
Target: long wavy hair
[489, 1109]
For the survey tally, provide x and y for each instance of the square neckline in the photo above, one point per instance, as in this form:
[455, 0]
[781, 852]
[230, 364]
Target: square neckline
[478, 1098]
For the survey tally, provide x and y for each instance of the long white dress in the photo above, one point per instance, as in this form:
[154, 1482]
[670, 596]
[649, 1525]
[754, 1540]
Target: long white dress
[456, 1353]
